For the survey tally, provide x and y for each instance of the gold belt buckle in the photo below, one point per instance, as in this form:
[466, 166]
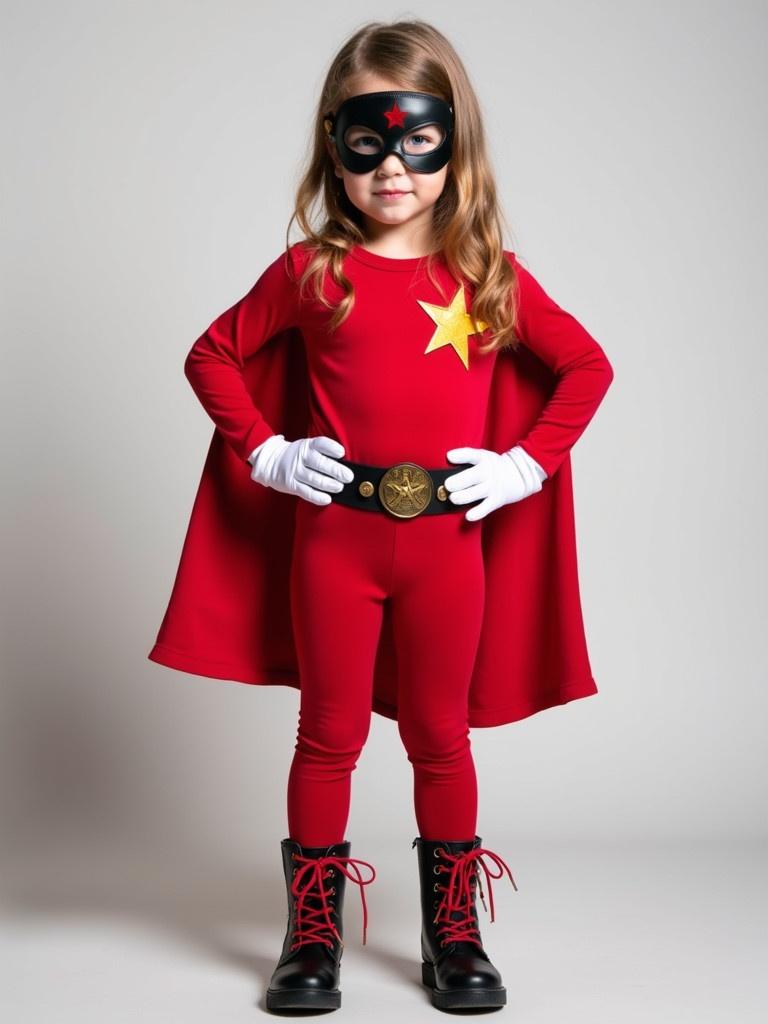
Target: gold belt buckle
[405, 490]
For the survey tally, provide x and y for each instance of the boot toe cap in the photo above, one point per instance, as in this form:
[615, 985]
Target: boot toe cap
[304, 975]
[469, 972]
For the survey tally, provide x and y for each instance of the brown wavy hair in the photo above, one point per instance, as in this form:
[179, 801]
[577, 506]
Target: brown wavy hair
[467, 216]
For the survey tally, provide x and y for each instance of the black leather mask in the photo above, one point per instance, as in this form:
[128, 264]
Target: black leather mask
[392, 116]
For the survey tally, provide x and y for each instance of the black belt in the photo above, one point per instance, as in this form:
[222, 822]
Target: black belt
[404, 490]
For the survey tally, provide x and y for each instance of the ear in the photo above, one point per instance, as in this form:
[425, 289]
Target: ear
[334, 156]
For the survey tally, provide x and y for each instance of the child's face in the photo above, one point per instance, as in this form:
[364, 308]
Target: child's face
[416, 192]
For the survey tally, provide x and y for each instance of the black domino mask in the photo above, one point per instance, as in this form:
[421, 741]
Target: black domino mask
[392, 116]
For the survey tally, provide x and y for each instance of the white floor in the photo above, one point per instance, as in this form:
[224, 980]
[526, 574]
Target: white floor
[598, 932]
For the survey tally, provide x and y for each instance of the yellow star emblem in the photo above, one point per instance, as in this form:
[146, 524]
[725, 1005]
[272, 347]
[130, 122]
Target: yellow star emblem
[454, 325]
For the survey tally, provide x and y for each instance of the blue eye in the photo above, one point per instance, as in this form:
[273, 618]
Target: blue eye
[364, 143]
[424, 140]
[371, 143]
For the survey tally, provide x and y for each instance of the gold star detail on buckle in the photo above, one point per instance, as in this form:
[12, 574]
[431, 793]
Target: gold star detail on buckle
[454, 326]
[405, 490]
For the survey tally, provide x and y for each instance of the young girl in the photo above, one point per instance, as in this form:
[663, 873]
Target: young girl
[385, 516]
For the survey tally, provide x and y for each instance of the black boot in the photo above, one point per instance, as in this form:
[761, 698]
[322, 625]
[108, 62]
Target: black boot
[455, 967]
[307, 973]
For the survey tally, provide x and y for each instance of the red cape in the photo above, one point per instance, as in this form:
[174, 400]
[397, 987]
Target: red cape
[229, 610]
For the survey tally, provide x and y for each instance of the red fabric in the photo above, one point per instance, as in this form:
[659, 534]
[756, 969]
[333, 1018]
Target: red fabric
[268, 365]
[349, 565]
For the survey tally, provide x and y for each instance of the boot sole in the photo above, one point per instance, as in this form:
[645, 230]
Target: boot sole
[302, 998]
[460, 998]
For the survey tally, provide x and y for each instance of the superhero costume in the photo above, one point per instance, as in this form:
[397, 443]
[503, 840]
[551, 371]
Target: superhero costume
[347, 568]
[269, 365]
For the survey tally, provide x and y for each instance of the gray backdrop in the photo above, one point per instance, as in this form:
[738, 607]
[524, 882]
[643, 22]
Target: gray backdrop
[151, 155]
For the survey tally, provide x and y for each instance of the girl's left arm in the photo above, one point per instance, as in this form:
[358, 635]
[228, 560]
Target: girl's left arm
[584, 373]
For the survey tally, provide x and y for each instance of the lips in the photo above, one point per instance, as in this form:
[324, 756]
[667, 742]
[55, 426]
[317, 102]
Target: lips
[393, 192]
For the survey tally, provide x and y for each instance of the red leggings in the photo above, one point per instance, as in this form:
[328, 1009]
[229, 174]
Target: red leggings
[346, 562]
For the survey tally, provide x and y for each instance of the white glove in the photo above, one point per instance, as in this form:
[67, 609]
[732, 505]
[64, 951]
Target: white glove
[499, 479]
[301, 467]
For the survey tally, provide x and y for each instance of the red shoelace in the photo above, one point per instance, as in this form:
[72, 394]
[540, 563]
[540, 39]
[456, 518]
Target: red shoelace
[313, 921]
[458, 892]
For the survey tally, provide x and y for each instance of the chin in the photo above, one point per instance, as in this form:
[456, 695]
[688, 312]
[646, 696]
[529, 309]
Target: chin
[388, 220]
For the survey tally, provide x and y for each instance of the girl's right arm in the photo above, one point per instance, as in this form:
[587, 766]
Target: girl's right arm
[214, 364]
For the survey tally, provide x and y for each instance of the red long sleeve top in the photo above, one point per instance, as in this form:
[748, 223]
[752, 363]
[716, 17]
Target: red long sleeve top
[377, 386]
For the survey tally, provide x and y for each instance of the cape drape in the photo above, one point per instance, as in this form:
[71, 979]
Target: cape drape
[229, 618]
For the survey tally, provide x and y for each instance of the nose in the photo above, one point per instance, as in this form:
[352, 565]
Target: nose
[391, 164]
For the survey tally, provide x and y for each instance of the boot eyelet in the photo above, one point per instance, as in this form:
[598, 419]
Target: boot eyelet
[294, 871]
[434, 887]
[333, 890]
[437, 851]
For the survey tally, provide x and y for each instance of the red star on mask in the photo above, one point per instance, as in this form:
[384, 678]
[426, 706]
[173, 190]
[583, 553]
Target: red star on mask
[395, 116]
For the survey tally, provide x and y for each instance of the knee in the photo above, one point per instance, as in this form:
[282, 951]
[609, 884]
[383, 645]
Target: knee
[434, 738]
[329, 739]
